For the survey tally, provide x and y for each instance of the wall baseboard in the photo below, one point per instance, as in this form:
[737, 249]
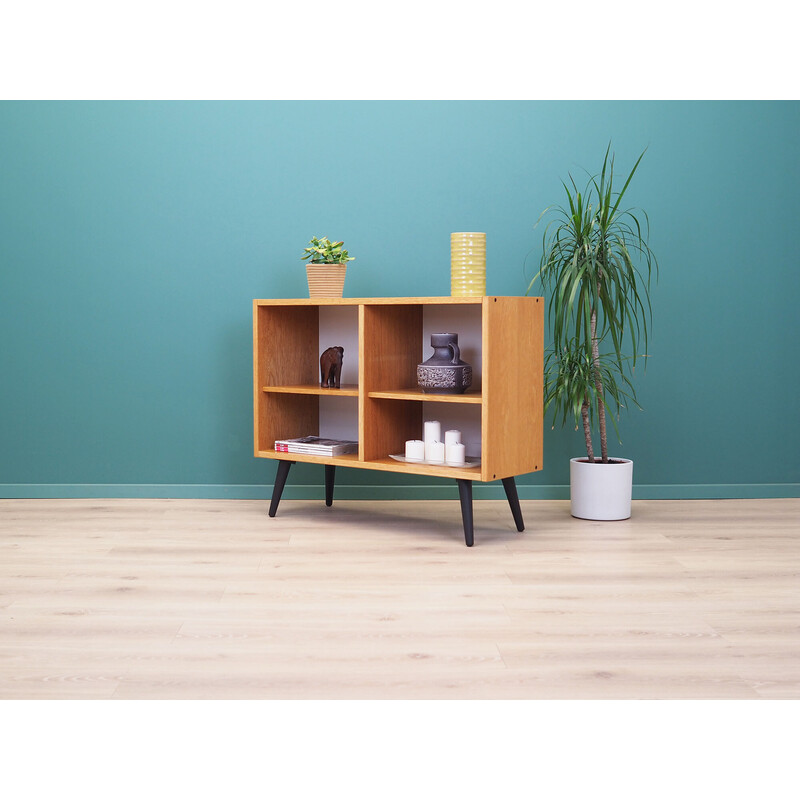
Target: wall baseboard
[482, 491]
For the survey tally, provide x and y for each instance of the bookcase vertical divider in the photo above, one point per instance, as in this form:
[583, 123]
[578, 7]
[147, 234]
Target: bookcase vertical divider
[362, 355]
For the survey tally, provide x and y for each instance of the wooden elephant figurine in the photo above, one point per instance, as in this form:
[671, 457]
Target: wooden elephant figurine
[330, 367]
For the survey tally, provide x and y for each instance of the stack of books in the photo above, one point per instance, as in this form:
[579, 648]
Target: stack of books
[315, 446]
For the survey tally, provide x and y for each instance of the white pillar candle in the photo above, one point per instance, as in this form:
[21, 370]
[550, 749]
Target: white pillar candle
[452, 437]
[434, 451]
[456, 454]
[415, 450]
[432, 431]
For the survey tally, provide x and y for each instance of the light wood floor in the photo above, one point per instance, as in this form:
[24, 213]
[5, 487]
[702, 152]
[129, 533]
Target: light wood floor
[213, 599]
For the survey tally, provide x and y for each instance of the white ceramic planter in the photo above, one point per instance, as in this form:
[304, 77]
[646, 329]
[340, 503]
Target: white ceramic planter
[600, 491]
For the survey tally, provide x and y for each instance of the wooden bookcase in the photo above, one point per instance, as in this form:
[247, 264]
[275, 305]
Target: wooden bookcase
[504, 405]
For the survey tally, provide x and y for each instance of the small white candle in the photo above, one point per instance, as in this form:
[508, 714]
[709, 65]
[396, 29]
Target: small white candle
[434, 451]
[432, 431]
[452, 437]
[456, 454]
[415, 450]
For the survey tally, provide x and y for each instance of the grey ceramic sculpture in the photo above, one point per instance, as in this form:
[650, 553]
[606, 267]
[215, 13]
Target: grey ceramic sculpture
[444, 372]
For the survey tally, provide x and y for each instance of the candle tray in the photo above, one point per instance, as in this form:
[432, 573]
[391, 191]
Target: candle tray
[470, 462]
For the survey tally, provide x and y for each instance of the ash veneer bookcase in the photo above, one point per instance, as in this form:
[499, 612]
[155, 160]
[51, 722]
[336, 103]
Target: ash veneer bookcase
[507, 403]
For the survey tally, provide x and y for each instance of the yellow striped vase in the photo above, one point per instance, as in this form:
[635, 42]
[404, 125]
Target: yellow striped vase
[467, 264]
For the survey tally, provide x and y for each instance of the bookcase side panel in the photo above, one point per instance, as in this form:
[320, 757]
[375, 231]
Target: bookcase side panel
[512, 386]
[258, 375]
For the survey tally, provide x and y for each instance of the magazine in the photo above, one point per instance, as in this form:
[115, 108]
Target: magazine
[316, 446]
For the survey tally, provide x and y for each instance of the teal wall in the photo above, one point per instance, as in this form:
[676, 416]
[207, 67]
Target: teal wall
[134, 235]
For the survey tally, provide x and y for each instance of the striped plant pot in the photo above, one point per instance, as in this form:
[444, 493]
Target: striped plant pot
[325, 280]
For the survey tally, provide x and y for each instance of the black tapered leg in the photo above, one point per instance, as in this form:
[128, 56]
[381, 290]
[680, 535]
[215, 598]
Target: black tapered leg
[513, 500]
[330, 473]
[280, 482]
[465, 493]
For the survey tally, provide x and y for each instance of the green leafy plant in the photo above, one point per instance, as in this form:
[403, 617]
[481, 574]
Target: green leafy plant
[322, 251]
[597, 267]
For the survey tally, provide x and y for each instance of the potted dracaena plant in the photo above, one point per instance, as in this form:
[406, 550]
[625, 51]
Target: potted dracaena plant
[597, 267]
[326, 268]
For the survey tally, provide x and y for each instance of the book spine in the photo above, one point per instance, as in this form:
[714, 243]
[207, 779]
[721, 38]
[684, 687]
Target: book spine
[311, 451]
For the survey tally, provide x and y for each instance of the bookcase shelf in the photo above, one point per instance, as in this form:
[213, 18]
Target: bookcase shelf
[346, 390]
[379, 403]
[417, 394]
[346, 460]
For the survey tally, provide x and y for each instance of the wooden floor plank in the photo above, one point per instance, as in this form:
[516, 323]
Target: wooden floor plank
[381, 600]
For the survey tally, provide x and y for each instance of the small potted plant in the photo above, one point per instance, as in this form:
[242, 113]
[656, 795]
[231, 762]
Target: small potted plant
[597, 266]
[326, 268]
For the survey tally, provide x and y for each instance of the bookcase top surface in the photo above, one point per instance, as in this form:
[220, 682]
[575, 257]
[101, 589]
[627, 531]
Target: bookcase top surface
[358, 301]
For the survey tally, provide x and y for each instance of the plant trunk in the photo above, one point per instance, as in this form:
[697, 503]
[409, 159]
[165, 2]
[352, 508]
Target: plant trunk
[598, 384]
[587, 430]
